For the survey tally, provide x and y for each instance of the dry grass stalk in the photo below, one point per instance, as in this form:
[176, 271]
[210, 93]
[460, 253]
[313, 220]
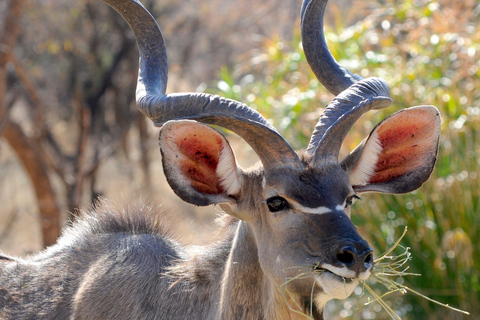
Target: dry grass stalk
[388, 266]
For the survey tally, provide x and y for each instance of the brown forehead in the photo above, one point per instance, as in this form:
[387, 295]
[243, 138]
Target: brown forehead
[312, 187]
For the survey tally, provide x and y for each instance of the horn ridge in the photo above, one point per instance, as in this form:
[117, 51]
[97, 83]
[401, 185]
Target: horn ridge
[272, 149]
[354, 95]
[152, 101]
[153, 72]
[342, 113]
[332, 75]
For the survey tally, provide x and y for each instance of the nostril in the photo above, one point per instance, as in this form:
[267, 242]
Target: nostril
[368, 262]
[347, 256]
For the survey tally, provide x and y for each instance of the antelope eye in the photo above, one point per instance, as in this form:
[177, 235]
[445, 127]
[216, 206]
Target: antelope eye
[350, 200]
[277, 204]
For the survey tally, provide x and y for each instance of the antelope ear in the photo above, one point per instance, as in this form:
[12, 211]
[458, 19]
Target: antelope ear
[199, 163]
[399, 154]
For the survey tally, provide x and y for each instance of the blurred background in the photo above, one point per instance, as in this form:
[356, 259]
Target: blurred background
[70, 131]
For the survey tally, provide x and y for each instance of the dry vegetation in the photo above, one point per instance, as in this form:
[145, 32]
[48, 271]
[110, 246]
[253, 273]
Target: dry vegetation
[68, 85]
[70, 82]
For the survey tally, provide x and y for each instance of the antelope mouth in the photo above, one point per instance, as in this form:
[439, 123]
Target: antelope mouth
[336, 283]
[321, 271]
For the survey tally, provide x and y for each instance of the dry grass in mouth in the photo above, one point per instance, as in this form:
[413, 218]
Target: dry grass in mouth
[288, 296]
[386, 268]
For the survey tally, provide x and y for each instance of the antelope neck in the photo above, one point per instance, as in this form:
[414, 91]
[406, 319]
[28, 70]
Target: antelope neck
[243, 273]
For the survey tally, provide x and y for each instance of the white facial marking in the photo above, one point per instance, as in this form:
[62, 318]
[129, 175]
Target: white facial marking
[337, 283]
[368, 161]
[334, 287]
[342, 272]
[318, 210]
[364, 275]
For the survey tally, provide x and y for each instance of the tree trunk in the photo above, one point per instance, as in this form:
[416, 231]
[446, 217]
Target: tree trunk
[36, 170]
[8, 40]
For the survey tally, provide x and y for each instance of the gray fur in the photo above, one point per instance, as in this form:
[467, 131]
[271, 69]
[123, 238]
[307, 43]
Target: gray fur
[120, 263]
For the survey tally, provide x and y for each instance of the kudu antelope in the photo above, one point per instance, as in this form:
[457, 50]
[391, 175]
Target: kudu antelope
[288, 244]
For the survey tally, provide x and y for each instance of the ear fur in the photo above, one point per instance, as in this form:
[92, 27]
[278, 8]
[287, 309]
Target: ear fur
[399, 154]
[199, 163]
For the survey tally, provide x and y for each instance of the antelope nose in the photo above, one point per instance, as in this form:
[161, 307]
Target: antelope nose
[352, 259]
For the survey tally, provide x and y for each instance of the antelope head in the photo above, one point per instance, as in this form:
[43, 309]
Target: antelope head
[294, 210]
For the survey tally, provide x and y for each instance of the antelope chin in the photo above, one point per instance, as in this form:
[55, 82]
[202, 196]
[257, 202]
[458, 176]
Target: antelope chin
[336, 283]
[335, 286]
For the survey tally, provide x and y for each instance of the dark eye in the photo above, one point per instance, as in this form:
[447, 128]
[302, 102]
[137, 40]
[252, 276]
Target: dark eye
[276, 204]
[350, 200]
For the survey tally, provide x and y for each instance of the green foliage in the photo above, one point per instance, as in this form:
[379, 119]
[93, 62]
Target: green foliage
[429, 53]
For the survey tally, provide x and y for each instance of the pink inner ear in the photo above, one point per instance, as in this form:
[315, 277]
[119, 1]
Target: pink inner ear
[200, 157]
[407, 144]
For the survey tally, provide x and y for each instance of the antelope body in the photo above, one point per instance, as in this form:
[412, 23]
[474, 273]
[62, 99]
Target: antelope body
[287, 245]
